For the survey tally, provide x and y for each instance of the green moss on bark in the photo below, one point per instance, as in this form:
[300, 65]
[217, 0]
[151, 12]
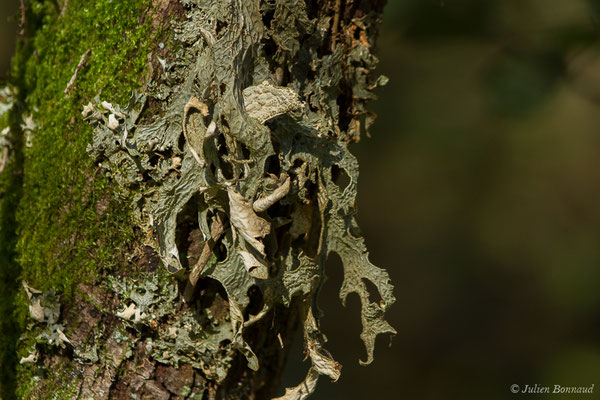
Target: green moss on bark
[70, 224]
[58, 383]
[61, 223]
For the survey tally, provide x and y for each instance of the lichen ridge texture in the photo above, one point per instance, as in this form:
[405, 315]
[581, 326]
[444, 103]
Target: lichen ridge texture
[242, 126]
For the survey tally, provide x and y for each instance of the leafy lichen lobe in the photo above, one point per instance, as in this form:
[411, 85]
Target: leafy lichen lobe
[250, 108]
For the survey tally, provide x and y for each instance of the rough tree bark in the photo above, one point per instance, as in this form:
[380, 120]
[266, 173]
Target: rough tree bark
[174, 175]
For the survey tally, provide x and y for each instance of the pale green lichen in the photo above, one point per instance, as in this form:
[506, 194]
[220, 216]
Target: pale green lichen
[7, 102]
[44, 309]
[247, 130]
[192, 336]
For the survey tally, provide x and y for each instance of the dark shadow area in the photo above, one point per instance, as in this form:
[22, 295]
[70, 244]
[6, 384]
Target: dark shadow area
[9, 26]
[11, 189]
[10, 194]
[9, 287]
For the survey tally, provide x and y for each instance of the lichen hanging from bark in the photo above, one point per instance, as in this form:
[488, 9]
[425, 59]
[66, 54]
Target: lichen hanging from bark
[246, 129]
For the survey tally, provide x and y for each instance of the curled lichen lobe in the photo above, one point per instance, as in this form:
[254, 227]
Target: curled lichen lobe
[257, 106]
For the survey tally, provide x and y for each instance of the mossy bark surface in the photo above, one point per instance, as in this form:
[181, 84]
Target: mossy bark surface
[142, 135]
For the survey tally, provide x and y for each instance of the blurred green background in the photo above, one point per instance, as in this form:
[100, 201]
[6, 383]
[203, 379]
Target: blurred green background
[479, 192]
[8, 34]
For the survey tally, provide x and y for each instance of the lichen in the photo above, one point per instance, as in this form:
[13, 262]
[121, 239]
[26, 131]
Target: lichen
[44, 309]
[192, 336]
[249, 102]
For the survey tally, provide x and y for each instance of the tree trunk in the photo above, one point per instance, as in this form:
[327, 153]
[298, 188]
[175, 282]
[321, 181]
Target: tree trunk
[174, 176]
